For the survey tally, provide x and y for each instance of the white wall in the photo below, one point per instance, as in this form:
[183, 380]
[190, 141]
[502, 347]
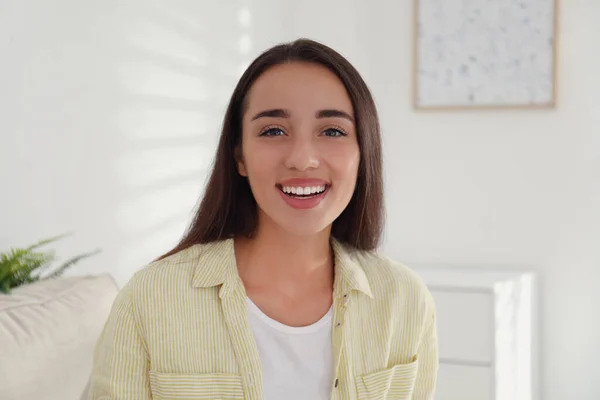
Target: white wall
[109, 114]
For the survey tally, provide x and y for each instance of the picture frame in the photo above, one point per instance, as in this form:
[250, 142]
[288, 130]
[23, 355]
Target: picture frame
[479, 54]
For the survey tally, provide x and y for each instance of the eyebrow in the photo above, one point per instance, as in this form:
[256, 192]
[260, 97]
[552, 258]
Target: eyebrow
[281, 113]
[334, 114]
[276, 113]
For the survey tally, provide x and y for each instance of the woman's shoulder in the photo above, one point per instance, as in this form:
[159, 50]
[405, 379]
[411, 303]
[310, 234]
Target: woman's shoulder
[379, 264]
[171, 266]
[176, 270]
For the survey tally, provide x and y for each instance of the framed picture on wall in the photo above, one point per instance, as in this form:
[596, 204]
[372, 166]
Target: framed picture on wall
[485, 54]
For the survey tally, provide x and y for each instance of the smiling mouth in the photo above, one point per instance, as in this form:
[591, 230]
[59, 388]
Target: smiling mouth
[303, 192]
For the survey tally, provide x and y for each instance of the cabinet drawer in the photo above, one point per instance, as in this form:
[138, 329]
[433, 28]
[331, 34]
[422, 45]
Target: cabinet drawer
[459, 382]
[465, 325]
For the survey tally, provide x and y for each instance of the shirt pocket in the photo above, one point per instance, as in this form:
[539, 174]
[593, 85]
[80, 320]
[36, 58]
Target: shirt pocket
[167, 386]
[395, 383]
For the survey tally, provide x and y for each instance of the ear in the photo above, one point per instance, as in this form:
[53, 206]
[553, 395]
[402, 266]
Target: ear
[239, 159]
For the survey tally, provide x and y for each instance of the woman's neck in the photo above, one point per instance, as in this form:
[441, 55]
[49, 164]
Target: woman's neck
[276, 258]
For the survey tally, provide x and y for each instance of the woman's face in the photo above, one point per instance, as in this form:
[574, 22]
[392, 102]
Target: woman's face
[299, 147]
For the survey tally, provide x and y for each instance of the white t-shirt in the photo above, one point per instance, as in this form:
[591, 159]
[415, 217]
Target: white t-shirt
[297, 362]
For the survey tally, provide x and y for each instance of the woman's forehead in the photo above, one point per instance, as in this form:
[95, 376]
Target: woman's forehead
[298, 87]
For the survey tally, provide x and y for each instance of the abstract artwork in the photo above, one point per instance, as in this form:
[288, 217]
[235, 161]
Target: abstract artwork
[485, 53]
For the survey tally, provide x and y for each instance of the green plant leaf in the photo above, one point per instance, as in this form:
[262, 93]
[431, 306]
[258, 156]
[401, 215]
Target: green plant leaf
[22, 271]
[60, 270]
[24, 266]
[49, 240]
[5, 287]
[18, 264]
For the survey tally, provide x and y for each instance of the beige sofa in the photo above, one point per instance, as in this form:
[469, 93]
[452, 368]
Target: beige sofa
[48, 331]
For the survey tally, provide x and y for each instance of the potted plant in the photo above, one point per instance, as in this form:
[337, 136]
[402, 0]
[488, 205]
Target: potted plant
[21, 266]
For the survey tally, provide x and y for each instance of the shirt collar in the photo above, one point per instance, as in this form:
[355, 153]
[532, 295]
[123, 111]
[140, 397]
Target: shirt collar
[216, 265]
[350, 275]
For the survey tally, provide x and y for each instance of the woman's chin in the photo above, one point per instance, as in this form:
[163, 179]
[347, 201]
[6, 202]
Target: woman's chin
[301, 223]
[302, 226]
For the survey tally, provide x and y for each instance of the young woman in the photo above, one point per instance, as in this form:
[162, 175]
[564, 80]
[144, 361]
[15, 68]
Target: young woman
[276, 292]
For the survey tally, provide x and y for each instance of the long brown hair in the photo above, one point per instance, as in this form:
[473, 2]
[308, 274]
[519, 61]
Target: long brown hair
[228, 208]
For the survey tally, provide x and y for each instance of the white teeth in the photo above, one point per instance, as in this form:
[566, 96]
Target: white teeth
[303, 191]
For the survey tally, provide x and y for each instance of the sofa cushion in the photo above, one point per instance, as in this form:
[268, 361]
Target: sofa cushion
[48, 331]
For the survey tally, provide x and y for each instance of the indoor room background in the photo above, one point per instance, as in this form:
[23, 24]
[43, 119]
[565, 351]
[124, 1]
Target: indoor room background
[110, 113]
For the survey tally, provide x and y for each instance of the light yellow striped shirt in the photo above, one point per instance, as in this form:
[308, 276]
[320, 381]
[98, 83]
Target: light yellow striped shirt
[179, 329]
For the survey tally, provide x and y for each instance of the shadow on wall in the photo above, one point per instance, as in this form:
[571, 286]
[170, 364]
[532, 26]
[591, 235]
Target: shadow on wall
[176, 66]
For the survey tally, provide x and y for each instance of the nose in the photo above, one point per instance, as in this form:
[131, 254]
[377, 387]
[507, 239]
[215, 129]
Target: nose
[302, 154]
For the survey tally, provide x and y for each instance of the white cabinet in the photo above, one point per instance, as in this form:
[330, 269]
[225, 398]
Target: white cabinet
[486, 330]
[468, 333]
[464, 382]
